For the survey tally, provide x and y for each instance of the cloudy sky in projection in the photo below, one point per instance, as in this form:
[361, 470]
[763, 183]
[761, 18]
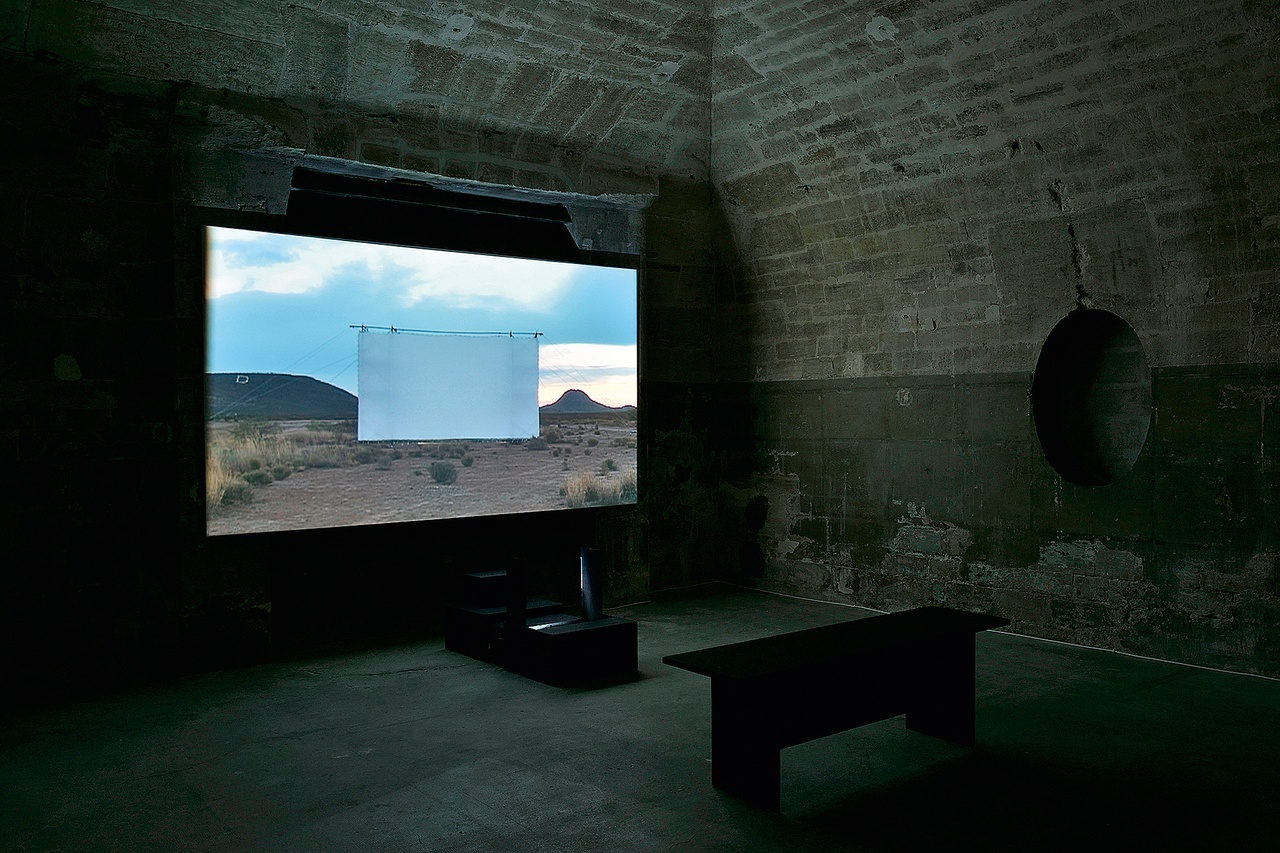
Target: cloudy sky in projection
[279, 303]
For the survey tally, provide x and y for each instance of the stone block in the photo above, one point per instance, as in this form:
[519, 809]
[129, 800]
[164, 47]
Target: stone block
[1101, 590]
[107, 38]
[316, 55]
[997, 486]
[857, 410]
[1082, 616]
[1210, 496]
[1122, 509]
[1206, 406]
[928, 475]
[1024, 608]
[765, 189]
[857, 481]
[1118, 564]
[914, 539]
[923, 410]
[996, 409]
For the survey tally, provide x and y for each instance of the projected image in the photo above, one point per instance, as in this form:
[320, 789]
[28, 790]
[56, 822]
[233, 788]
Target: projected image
[356, 383]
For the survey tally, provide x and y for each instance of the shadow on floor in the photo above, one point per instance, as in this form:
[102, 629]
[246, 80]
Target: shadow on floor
[987, 799]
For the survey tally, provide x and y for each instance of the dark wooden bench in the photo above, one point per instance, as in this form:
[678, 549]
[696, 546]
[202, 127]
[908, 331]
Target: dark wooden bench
[779, 691]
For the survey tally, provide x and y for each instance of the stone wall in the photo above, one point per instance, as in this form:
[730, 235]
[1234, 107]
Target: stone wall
[920, 192]
[561, 94]
[862, 223]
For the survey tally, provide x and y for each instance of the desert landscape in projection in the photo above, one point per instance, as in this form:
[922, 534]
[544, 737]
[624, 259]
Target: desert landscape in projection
[479, 384]
[289, 473]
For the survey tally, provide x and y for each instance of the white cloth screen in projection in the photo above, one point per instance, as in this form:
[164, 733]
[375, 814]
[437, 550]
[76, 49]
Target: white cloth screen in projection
[433, 387]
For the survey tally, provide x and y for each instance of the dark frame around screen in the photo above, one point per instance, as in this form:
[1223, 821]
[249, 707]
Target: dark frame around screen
[399, 213]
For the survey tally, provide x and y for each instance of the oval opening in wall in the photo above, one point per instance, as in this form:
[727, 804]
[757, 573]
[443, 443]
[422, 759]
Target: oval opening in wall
[1091, 397]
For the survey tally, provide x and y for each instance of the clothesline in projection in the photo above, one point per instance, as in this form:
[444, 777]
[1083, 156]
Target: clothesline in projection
[364, 328]
[428, 385]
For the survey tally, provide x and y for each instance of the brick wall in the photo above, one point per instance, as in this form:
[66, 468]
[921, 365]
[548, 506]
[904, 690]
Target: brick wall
[924, 188]
[919, 192]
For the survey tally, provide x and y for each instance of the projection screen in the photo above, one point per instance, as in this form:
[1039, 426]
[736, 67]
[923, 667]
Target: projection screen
[428, 387]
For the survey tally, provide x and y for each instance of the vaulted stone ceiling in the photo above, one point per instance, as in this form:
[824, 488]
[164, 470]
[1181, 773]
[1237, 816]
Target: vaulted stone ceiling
[592, 93]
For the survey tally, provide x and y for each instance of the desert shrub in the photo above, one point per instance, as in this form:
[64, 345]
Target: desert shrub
[627, 487]
[444, 473]
[416, 454]
[228, 457]
[257, 477]
[592, 442]
[334, 432]
[581, 490]
[383, 462]
[553, 436]
[468, 461]
[326, 456]
[365, 455]
[555, 451]
[218, 477]
[624, 441]
[457, 451]
[417, 472]
[236, 493]
[246, 455]
[586, 489]
[396, 454]
[280, 472]
[608, 465]
[536, 444]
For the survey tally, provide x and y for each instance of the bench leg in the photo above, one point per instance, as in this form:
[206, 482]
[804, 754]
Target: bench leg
[940, 698]
[745, 759]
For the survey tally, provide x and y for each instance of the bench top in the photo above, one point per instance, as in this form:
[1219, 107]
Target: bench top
[833, 643]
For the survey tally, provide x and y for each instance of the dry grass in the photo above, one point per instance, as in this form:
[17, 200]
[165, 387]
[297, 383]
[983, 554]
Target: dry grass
[587, 489]
[229, 457]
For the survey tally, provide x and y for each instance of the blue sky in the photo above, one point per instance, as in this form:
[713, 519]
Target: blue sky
[280, 303]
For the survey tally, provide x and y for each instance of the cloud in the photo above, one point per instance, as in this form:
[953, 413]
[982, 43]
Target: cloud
[477, 281]
[241, 261]
[590, 356]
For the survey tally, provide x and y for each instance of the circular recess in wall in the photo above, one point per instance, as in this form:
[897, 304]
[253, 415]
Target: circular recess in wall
[1091, 397]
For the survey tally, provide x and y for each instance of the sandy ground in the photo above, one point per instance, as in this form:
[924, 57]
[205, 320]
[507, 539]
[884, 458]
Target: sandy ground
[503, 479]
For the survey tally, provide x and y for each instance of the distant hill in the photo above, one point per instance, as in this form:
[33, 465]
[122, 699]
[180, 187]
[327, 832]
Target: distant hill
[276, 396]
[575, 402]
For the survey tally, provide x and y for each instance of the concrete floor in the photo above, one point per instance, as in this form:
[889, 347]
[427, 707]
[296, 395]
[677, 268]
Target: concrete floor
[417, 748]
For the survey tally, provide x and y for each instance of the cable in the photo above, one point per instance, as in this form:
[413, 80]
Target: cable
[397, 330]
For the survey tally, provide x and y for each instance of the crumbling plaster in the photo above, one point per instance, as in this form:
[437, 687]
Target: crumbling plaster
[918, 193]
